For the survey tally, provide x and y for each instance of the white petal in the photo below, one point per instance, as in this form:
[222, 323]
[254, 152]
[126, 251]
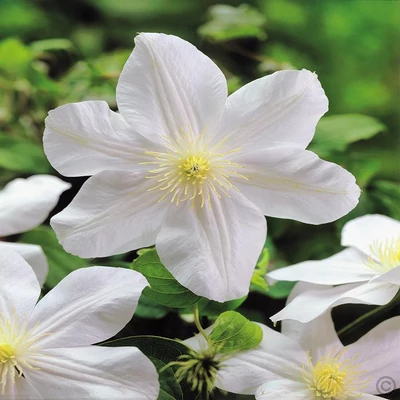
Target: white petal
[378, 354]
[392, 276]
[296, 184]
[278, 110]
[26, 203]
[317, 336]
[19, 287]
[86, 138]
[33, 255]
[113, 213]
[276, 357]
[283, 389]
[212, 250]
[20, 390]
[88, 306]
[94, 373]
[346, 266]
[363, 231]
[167, 86]
[313, 303]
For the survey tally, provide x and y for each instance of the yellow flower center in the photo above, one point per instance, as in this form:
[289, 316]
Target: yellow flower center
[333, 378]
[385, 255]
[17, 345]
[191, 169]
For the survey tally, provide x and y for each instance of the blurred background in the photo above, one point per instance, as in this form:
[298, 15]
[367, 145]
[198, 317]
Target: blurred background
[53, 52]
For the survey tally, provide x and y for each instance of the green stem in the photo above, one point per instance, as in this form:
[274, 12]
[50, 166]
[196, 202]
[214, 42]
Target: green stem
[197, 322]
[376, 310]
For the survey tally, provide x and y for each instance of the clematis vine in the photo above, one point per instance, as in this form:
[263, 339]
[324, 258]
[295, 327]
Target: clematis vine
[308, 362]
[25, 204]
[45, 348]
[367, 272]
[191, 170]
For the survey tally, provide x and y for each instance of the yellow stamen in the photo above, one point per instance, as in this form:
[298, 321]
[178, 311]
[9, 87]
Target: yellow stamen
[334, 378]
[385, 255]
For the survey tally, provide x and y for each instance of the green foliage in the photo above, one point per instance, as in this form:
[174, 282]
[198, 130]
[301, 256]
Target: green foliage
[60, 262]
[233, 332]
[228, 23]
[161, 352]
[164, 289]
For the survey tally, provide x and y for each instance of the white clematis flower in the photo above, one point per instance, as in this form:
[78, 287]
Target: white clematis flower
[308, 362]
[192, 170]
[367, 272]
[45, 348]
[25, 204]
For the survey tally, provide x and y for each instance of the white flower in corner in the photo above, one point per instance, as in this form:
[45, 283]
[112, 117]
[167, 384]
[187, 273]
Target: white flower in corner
[25, 204]
[308, 362]
[192, 170]
[367, 272]
[45, 348]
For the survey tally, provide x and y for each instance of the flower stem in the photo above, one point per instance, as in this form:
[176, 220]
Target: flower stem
[376, 310]
[197, 322]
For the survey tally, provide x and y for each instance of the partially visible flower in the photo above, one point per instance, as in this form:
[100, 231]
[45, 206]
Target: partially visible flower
[308, 362]
[192, 170]
[367, 272]
[25, 204]
[45, 348]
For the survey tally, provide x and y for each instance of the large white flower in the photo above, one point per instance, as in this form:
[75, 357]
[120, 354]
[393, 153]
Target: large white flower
[25, 204]
[367, 272]
[308, 361]
[193, 171]
[45, 350]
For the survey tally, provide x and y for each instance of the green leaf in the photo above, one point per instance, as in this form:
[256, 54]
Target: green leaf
[60, 262]
[335, 133]
[22, 156]
[280, 290]
[388, 194]
[258, 282]
[148, 308]
[213, 309]
[46, 45]
[234, 332]
[15, 57]
[228, 23]
[161, 351]
[164, 289]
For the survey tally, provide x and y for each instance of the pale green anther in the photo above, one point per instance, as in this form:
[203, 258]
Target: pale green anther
[6, 352]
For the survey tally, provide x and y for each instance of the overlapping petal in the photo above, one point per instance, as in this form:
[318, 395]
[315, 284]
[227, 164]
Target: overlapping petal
[362, 232]
[86, 138]
[347, 266]
[94, 373]
[20, 288]
[33, 255]
[276, 357]
[167, 86]
[279, 110]
[377, 353]
[114, 212]
[283, 388]
[88, 306]
[212, 250]
[26, 203]
[296, 184]
[313, 303]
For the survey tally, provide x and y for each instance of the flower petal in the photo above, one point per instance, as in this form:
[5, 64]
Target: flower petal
[278, 110]
[392, 276]
[26, 203]
[361, 232]
[113, 213]
[346, 266]
[317, 336]
[88, 306]
[168, 86]
[33, 255]
[313, 303]
[86, 138]
[279, 389]
[296, 184]
[94, 373]
[19, 287]
[20, 390]
[377, 352]
[212, 250]
[276, 357]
